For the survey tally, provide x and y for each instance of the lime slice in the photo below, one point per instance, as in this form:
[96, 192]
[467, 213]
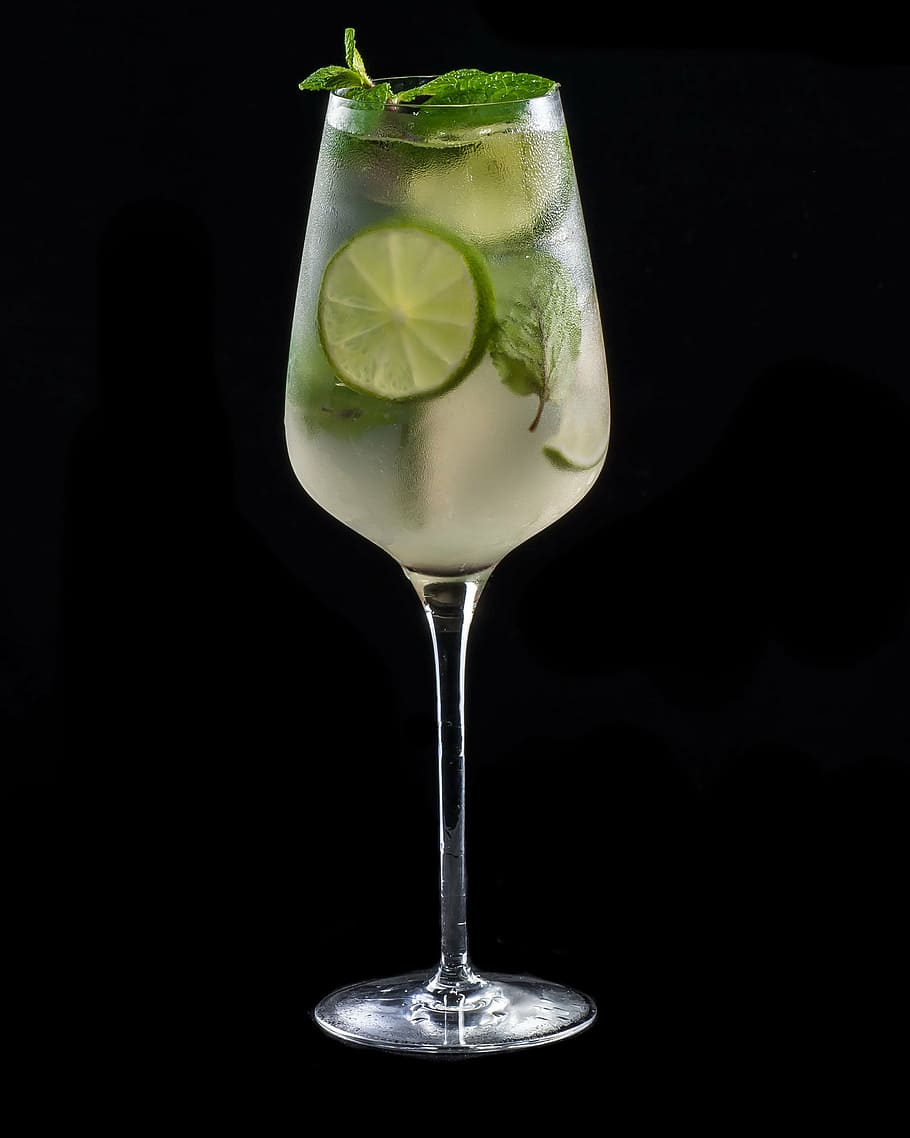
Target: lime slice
[505, 186]
[581, 441]
[404, 311]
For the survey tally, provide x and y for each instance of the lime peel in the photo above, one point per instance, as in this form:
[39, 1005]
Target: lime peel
[581, 443]
[562, 462]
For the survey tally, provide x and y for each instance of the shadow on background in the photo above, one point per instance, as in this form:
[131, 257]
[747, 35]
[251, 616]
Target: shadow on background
[169, 599]
[200, 678]
[755, 884]
[789, 532]
[193, 659]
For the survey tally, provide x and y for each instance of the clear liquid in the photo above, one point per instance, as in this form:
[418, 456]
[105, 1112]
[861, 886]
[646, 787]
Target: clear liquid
[447, 484]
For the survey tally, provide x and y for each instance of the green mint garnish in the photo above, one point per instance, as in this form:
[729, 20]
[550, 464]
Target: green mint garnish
[331, 79]
[376, 96]
[352, 56]
[352, 75]
[469, 85]
[538, 325]
[465, 86]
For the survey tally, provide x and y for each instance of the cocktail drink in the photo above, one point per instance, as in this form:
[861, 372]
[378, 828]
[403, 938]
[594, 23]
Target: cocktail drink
[447, 398]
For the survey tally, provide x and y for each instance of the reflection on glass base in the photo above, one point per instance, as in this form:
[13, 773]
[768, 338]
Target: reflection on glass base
[498, 1013]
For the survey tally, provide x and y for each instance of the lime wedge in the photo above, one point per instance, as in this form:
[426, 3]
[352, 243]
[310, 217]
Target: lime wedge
[404, 311]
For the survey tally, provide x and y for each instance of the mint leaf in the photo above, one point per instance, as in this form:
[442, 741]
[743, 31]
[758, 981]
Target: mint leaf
[331, 78]
[331, 406]
[468, 85]
[353, 57]
[538, 325]
[376, 96]
[353, 74]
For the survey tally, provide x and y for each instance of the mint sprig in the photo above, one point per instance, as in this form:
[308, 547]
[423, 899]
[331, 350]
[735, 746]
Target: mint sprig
[538, 325]
[466, 85]
[331, 79]
[352, 56]
[352, 75]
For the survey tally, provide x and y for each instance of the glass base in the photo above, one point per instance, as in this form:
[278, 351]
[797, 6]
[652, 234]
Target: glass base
[498, 1013]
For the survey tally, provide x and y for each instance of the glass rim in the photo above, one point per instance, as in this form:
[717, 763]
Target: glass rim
[339, 93]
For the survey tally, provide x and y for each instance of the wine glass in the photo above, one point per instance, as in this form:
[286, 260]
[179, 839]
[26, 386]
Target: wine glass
[447, 399]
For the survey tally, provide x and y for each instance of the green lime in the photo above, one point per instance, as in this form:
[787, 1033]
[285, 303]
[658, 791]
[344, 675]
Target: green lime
[504, 187]
[404, 311]
[581, 441]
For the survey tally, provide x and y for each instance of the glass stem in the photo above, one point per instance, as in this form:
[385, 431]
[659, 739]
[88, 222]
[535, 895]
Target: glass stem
[449, 604]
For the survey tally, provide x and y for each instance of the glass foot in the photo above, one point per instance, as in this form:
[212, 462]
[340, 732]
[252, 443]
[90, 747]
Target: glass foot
[498, 1013]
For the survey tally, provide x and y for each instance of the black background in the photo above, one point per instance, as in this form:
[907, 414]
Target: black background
[687, 718]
